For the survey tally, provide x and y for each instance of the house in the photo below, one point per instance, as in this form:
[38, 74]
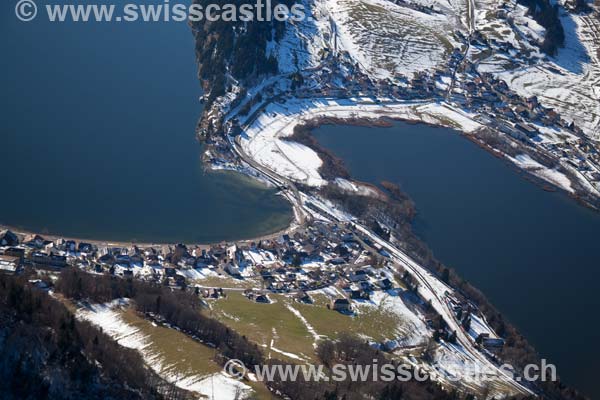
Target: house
[231, 269]
[261, 298]
[9, 239]
[493, 344]
[532, 102]
[527, 129]
[9, 264]
[107, 260]
[52, 261]
[70, 246]
[359, 295]
[303, 297]
[489, 343]
[36, 242]
[231, 252]
[385, 284]
[357, 276]
[15, 252]
[85, 248]
[342, 305]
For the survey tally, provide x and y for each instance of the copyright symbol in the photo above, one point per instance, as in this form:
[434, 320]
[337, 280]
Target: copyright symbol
[26, 10]
[235, 368]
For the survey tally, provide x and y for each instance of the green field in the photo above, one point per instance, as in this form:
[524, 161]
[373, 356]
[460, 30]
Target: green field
[275, 324]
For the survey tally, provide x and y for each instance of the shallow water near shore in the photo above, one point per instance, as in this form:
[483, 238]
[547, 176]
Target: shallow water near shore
[97, 138]
[533, 253]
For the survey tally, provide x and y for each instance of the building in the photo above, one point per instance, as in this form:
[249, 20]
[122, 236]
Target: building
[231, 269]
[52, 261]
[8, 239]
[9, 264]
[342, 305]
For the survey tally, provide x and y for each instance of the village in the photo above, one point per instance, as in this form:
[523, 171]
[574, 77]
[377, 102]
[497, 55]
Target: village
[313, 258]
[323, 258]
[540, 131]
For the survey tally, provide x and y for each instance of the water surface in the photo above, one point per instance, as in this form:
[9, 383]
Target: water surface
[533, 253]
[97, 137]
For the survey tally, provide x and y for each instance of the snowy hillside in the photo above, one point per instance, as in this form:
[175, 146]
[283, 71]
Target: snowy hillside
[569, 82]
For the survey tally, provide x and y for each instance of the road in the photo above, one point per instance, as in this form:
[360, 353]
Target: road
[471, 29]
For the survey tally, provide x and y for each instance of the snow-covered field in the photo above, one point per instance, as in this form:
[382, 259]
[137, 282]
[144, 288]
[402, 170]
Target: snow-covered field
[265, 142]
[383, 37]
[412, 331]
[109, 318]
[388, 39]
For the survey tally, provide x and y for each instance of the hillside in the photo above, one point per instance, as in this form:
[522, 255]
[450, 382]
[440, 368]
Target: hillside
[45, 353]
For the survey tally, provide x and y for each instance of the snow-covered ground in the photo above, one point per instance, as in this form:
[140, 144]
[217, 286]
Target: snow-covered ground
[108, 318]
[308, 326]
[412, 331]
[264, 140]
[525, 162]
[569, 82]
[354, 187]
[384, 38]
[388, 39]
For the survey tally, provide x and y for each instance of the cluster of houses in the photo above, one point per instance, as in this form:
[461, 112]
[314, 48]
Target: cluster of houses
[312, 258]
[317, 257]
[493, 97]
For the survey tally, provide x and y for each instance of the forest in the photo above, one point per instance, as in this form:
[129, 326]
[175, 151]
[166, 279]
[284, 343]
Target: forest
[236, 48]
[46, 353]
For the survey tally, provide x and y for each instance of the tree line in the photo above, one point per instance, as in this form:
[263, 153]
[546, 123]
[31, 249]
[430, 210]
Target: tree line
[182, 309]
[237, 48]
[352, 351]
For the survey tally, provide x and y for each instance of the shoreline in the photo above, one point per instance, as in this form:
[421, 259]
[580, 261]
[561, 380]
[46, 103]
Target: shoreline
[528, 175]
[270, 234]
[142, 244]
[387, 122]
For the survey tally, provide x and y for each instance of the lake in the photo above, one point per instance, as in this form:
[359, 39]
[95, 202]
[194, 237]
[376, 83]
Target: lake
[533, 253]
[98, 140]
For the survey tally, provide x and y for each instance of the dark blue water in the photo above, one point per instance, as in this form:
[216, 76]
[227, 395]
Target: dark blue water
[533, 253]
[97, 137]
